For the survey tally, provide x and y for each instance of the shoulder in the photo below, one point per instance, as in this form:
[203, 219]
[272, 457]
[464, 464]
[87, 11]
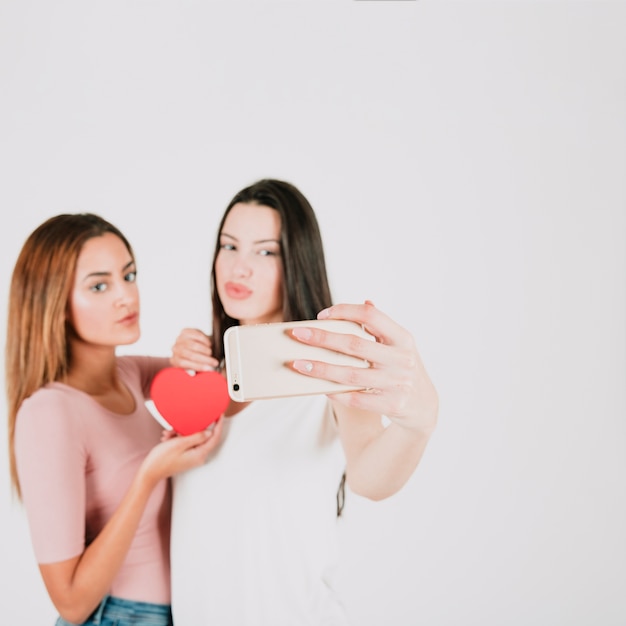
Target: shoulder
[140, 366]
[52, 398]
[139, 371]
[51, 410]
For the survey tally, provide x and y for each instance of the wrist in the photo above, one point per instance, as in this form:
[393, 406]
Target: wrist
[419, 426]
[146, 478]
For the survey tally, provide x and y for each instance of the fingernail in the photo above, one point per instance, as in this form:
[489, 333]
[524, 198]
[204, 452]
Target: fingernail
[302, 333]
[323, 314]
[303, 366]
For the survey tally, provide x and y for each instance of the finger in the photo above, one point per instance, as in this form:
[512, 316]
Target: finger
[194, 334]
[372, 400]
[193, 354]
[217, 428]
[186, 348]
[195, 363]
[375, 353]
[346, 343]
[168, 434]
[213, 440]
[199, 345]
[186, 442]
[193, 339]
[373, 320]
[358, 377]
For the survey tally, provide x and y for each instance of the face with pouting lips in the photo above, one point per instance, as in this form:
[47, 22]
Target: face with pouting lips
[248, 267]
[104, 301]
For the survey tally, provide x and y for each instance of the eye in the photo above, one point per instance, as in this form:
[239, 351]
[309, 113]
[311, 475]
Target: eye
[131, 277]
[266, 252]
[99, 287]
[227, 246]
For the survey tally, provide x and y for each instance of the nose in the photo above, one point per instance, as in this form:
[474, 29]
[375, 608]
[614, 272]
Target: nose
[242, 269]
[127, 294]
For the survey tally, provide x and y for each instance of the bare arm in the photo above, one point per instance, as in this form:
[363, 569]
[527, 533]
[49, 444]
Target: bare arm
[76, 586]
[379, 460]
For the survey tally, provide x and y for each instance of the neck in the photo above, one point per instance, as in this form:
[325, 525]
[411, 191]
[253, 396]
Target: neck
[92, 368]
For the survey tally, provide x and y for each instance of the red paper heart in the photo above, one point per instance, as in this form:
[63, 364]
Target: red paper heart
[189, 403]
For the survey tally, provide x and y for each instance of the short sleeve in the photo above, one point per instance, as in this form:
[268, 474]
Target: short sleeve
[51, 465]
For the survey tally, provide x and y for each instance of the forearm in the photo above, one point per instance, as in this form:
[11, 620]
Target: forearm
[384, 465]
[76, 587]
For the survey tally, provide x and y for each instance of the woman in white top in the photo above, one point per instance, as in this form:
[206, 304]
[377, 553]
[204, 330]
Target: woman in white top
[253, 535]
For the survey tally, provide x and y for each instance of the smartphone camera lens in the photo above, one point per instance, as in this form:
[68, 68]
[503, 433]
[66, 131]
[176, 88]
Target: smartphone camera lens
[235, 387]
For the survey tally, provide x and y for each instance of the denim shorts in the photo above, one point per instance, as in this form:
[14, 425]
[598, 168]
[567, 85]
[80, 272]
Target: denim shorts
[119, 612]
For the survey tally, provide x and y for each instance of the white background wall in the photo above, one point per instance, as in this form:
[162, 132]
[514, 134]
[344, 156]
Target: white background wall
[467, 162]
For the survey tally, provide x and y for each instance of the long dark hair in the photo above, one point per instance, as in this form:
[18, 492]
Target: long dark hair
[306, 290]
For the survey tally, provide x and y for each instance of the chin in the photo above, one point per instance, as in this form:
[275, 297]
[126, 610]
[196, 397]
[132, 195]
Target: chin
[130, 338]
[239, 311]
[247, 314]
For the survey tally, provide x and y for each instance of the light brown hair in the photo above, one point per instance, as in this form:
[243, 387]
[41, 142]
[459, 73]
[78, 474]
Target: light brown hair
[37, 349]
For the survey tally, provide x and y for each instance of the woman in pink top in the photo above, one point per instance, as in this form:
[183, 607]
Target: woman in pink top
[86, 455]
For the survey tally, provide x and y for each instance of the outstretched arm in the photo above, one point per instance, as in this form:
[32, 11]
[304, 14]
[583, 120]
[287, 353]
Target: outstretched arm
[379, 459]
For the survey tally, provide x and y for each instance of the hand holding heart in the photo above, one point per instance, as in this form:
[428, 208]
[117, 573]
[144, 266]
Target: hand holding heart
[189, 403]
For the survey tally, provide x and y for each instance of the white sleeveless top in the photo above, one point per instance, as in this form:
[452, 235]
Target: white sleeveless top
[254, 530]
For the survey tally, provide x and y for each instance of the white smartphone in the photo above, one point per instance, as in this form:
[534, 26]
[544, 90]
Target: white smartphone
[256, 358]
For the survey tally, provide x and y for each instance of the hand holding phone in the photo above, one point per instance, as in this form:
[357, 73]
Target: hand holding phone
[257, 357]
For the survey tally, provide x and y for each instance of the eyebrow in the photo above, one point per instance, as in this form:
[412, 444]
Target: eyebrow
[97, 274]
[223, 234]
